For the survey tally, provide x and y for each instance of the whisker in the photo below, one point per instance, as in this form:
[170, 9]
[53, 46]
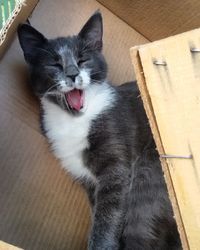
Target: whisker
[53, 86]
[51, 93]
[95, 81]
[59, 99]
[97, 72]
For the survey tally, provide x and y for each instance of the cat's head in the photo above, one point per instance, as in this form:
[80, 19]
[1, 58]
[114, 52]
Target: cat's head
[62, 68]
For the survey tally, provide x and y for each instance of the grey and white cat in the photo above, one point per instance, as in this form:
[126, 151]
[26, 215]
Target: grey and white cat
[101, 135]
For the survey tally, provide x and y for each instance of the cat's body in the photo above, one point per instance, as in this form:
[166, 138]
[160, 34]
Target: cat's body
[102, 137]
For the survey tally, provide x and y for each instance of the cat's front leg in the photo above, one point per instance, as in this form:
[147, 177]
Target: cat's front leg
[108, 213]
[90, 190]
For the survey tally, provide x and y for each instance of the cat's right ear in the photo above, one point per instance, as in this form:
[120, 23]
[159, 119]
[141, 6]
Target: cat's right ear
[30, 39]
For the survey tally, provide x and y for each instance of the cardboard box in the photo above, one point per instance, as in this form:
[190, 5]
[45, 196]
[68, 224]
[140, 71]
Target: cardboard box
[41, 207]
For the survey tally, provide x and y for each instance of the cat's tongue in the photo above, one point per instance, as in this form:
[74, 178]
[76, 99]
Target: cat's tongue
[75, 99]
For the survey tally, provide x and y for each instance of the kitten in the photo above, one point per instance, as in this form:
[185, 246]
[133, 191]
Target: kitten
[101, 135]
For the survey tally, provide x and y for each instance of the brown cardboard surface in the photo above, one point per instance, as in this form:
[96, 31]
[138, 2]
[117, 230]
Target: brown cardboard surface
[174, 94]
[20, 17]
[156, 19]
[41, 207]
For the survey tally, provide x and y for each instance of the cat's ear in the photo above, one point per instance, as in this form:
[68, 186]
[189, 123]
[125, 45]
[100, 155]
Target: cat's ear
[30, 40]
[92, 31]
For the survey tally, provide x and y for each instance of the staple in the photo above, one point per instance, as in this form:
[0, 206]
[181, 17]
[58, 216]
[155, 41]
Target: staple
[194, 50]
[162, 63]
[176, 156]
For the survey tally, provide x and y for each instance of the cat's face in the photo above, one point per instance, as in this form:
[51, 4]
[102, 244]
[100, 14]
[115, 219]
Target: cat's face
[62, 68]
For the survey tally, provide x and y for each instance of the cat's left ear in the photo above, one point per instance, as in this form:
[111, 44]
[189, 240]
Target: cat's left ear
[92, 31]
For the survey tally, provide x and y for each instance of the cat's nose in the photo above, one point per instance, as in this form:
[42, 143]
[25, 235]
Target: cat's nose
[72, 72]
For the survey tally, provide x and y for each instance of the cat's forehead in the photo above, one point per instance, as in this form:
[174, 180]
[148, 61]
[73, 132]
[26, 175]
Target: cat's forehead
[66, 46]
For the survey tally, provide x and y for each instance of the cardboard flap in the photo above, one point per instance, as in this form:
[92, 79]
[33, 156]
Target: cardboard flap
[156, 19]
[168, 77]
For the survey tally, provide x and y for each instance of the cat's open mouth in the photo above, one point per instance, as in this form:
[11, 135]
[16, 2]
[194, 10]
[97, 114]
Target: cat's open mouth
[75, 99]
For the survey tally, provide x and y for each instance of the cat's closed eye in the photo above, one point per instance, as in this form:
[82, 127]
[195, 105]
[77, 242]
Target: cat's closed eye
[55, 65]
[82, 60]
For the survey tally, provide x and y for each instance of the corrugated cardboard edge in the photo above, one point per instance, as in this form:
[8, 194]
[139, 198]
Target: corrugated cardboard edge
[135, 57]
[19, 15]
[6, 246]
[10, 20]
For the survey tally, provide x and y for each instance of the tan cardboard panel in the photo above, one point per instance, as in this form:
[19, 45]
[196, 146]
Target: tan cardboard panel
[41, 207]
[20, 17]
[156, 19]
[152, 120]
[6, 246]
[174, 92]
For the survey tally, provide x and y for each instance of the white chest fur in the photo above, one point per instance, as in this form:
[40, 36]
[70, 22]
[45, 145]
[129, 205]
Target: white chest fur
[68, 134]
